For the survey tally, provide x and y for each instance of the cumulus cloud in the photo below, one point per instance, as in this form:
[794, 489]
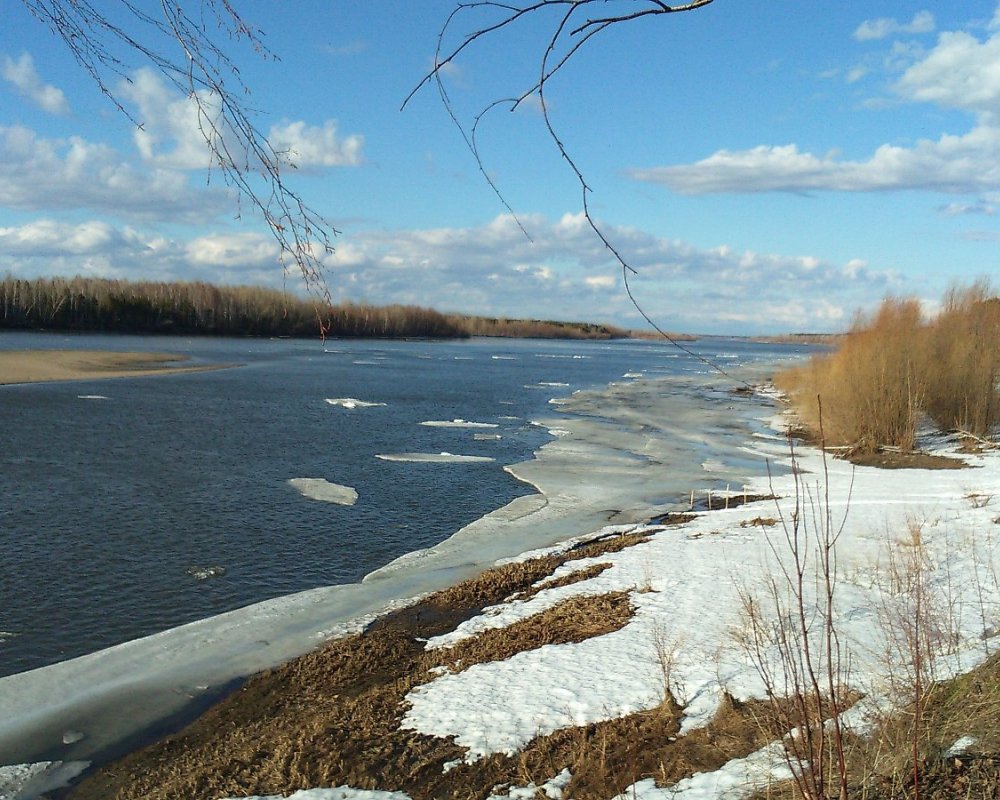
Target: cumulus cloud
[46, 174]
[883, 27]
[22, 75]
[306, 146]
[565, 272]
[954, 164]
[174, 128]
[489, 269]
[960, 72]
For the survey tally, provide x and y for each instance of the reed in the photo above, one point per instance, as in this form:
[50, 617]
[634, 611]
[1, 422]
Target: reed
[893, 368]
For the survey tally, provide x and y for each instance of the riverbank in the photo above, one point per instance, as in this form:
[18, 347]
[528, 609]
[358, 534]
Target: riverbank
[623, 667]
[37, 366]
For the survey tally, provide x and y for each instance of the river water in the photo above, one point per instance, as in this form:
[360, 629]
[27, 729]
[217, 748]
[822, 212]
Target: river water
[132, 506]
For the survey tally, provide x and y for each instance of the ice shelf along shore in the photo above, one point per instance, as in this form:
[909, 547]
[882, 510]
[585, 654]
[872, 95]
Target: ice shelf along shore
[625, 454]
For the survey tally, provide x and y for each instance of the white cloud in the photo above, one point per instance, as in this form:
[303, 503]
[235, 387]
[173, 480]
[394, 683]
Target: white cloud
[23, 76]
[307, 146]
[173, 129]
[494, 269]
[47, 174]
[233, 250]
[883, 27]
[952, 164]
[562, 273]
[960, 72]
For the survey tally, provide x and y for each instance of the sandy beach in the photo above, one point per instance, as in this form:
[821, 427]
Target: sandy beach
[36, 366]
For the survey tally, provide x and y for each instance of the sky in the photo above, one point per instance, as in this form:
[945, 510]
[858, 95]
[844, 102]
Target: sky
[765, 166]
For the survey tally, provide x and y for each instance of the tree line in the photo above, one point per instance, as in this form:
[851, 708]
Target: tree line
[121, 306]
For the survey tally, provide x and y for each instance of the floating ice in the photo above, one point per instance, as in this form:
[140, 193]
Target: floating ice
[458, 423]
[367, 363]
[29, 781]
[434, 458]
[322, 489]
[504, 358]
[486, 437]
[632, 375]
[204, 573]
[72, 737]
[91, 397]
[5, 635]
[351, 402]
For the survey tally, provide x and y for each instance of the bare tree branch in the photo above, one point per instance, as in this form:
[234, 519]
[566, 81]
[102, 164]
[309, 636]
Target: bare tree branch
[564, 41]
[182, 46]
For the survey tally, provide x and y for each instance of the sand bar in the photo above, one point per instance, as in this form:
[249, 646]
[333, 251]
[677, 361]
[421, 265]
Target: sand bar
[34, 366]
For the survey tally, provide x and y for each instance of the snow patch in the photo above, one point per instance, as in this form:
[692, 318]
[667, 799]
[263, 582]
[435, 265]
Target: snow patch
[30, 781]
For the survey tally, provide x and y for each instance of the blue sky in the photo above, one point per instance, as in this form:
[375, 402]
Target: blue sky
[766, 166]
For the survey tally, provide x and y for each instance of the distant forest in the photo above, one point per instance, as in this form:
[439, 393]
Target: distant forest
[118, 306]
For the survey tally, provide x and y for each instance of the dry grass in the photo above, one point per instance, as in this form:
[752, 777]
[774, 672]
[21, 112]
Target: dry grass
[332, 716]
[893, 368]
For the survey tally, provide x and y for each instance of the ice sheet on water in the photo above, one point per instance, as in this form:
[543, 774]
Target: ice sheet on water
[351, 402]
[458, 423]
[434, 458]
[28, 781]
[91, 397]
[486, 437]
[321, 489]
[504, 358]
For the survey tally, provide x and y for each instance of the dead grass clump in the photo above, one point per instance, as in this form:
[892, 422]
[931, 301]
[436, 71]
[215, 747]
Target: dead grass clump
[578, 576]
[969, 705]
[893, 368]
[964, 345]
[869, 391]
[605, 758]
[332, 716]
[574, 620]
[759, 522]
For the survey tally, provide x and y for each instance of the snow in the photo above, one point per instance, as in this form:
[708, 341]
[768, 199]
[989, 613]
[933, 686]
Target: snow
[687, 584]
[700, 573]
[30, 781]
[325, 491]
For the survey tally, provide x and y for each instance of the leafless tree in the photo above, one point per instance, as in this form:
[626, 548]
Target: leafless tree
[189, 42]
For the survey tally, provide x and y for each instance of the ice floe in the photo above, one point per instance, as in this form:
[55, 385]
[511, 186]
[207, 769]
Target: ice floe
[351, 402]
[322, 489]
[200, 573]
[458, 423]
[434, 458]
[91, 397]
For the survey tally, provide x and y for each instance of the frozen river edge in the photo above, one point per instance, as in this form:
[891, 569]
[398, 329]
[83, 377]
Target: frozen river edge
[595, 475]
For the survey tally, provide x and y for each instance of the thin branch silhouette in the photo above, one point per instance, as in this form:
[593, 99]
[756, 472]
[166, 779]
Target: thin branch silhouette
[573, 35]
[182, 47]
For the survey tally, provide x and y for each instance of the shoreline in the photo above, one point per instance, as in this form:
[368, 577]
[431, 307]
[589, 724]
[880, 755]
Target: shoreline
[19, 367]
[540, 667]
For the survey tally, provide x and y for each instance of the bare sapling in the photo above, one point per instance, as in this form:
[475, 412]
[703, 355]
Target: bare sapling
[791, 637]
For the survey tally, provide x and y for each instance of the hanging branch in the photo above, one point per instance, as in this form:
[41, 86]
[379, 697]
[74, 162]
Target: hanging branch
[571, 33]
[237, 149]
